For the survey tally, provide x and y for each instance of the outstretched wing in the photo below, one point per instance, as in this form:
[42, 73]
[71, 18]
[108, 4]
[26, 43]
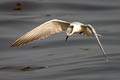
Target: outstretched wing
[42, 31]
[90, 31]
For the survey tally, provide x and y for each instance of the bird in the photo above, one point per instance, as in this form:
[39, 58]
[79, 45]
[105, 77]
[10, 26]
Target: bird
[55, 26]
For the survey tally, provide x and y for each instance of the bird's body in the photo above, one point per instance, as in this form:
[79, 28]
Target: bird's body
[55, 26]
[77, 28]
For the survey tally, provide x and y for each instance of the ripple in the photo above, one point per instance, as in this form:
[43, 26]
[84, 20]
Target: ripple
[33, 6]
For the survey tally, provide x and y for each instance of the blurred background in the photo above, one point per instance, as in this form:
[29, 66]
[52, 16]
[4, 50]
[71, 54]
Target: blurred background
[79, 58]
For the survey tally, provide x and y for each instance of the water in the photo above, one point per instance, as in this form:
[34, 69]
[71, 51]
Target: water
[78, 59]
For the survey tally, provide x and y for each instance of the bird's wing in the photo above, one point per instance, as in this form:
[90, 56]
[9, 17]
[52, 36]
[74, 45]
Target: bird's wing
[87, 31]
[90, 31]
[42, 31]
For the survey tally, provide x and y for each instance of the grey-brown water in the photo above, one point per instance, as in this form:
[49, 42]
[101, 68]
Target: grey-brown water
[52, 58]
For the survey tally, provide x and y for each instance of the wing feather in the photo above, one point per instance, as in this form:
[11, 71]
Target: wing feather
[42, 31]
[86, 30]
[90, 31]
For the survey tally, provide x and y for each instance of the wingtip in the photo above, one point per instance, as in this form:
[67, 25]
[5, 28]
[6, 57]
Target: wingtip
[13, 45]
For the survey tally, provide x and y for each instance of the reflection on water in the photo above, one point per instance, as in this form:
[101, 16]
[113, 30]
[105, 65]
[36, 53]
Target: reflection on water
[53, 58]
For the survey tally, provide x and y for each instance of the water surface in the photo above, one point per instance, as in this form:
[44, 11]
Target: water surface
[78, 59]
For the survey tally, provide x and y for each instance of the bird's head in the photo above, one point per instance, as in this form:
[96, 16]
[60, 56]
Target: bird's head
[69, 32]
[70, 29]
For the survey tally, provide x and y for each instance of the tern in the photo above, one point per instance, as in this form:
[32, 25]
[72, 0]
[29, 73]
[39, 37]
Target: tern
[54, 26]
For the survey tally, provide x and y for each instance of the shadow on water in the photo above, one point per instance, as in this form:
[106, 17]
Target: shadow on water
[88, 65]
[21, 68]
